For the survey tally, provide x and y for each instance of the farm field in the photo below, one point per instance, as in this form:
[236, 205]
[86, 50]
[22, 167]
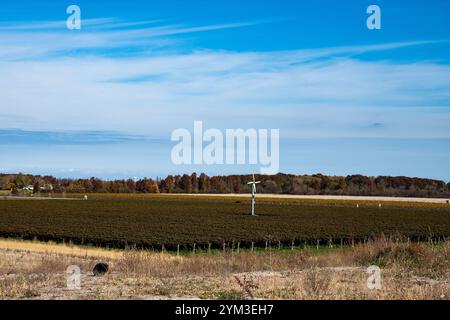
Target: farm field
[172, 222]
[267, 198]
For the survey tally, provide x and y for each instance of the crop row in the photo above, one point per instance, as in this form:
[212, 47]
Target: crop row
[153, 223]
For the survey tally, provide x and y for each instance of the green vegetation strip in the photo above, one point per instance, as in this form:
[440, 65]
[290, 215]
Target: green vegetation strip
[122, 222]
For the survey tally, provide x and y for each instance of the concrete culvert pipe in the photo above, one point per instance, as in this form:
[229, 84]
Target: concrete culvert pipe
[100, 269]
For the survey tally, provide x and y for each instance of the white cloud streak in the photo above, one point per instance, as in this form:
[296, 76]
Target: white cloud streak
[49, 38]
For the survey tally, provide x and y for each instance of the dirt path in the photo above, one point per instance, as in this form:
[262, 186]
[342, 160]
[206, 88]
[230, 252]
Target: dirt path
[316, 197]
[267, 196]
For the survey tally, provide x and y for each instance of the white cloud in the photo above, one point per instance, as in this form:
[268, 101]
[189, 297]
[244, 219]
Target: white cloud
[305, 93]
[51, 38]
[52, 25]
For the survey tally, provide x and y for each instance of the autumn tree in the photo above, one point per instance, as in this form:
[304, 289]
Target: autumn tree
[147, 186]
[279, 184]
[167, 184]
[237, 184]
[186, 185]
[203, 183]
[194, 183]
[131, 186]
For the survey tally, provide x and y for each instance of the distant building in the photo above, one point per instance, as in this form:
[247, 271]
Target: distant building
[28, 188]
[46, 188]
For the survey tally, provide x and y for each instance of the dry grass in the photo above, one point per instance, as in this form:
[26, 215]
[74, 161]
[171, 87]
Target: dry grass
[409, 271]
[64, 249]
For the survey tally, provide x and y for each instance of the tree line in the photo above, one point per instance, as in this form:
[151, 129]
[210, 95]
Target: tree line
[316, 184]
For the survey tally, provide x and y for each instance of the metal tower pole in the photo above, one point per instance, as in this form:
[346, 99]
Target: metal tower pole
[253, 184]
[253, 200]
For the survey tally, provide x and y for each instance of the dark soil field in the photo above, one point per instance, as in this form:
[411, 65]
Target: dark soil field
[158, 222]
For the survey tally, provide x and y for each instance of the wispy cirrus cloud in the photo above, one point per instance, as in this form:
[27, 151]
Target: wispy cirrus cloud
[28, 137]
[337, 96]
[51, 38]
[59, 25]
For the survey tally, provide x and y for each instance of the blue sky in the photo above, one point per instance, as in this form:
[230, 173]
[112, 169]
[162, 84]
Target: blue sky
[103, 100]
